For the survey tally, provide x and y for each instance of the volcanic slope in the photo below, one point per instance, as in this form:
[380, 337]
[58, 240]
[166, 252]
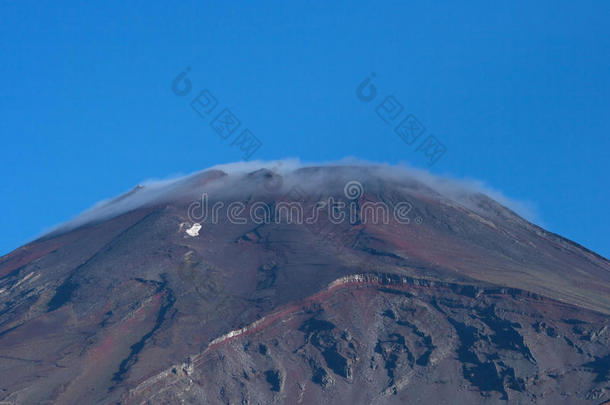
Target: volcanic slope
[466, 303]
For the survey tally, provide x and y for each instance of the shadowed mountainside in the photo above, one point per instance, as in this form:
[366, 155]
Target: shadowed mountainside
[465, 303]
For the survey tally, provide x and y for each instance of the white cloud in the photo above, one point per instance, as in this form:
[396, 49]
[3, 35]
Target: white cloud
[462, 191]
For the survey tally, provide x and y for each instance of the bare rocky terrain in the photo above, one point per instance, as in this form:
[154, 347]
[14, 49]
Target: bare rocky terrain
[466, 303]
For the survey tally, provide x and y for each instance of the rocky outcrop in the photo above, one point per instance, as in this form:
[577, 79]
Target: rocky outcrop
[466, 301]
[390, 337]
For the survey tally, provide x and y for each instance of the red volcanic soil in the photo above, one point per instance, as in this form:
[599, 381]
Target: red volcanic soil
[467, 303]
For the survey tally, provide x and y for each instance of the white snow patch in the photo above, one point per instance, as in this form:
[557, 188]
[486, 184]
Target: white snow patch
[194, 230]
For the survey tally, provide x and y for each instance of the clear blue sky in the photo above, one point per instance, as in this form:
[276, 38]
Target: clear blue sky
[517, 91]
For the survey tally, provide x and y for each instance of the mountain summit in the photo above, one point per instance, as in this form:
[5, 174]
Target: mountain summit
[329, 284]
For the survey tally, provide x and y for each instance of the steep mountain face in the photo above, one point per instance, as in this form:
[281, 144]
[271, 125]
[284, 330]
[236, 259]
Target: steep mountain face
[419, 292]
